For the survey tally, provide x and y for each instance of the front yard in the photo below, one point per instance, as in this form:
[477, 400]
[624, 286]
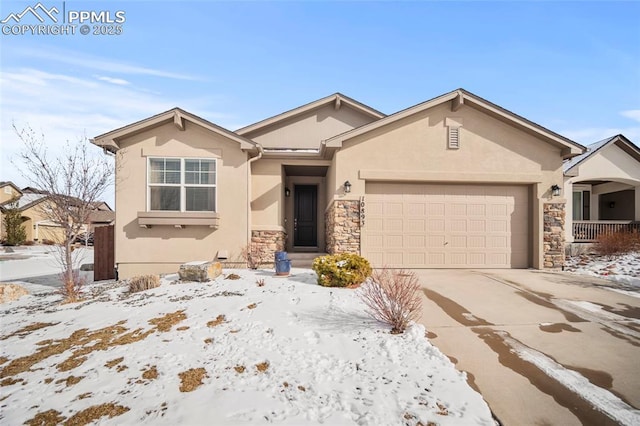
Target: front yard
[225, 352]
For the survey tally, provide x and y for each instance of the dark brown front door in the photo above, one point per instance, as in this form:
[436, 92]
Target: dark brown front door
[305, 222]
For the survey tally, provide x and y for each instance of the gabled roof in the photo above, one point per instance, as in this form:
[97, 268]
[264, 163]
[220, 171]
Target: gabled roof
[9, 183]
[110, 140]
[25, 202]
[337, 99]
[458, 98]
[620, 140]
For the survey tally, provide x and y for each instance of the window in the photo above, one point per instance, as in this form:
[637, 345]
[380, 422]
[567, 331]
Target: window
[185, 185]
[7, 190]
[581, 205]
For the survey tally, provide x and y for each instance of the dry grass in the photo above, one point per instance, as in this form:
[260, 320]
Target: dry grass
[9, 381]
[219, 320]
[393, 298]
[93, 413]
[102, 339]
[84, 396]
[239, 368]
[143, 282]
[183, 328]
[208, 340]
[46, 418]
[151, 373]
[191, 379]
[3, 360]
[252, 306]
[302, 388]
[260, 282]
[72, 288]
[114, 362]
[169, 320]
[70, 381]
[29, 329]
[232, 277]
[262, 367]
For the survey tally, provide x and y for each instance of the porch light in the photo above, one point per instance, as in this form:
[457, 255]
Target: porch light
[555, 190]
[287, 192]
[347, 187]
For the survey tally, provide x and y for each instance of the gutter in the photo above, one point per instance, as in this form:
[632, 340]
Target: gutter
[251, 160]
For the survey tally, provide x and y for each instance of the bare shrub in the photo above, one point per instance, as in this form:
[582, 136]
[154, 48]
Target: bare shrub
[48, 242]
[250, 255]
[392, 297]
[143, 282]
[617, 243]
[71, 286]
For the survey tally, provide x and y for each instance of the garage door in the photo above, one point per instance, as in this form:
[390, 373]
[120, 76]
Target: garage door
[446, 226]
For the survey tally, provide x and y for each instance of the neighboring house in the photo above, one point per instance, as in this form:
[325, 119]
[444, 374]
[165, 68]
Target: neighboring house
[33, 208]
[454, 182]
[8, 192]
[604, 184]
[33, 205]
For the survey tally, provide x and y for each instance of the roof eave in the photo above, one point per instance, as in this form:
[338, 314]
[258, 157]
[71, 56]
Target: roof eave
[337, 99]
[110, 140]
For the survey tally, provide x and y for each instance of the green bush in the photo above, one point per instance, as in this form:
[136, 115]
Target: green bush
[13, 225]
[341, 270]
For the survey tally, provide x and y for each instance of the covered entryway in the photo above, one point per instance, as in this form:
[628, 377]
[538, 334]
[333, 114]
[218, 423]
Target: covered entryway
[446, 226]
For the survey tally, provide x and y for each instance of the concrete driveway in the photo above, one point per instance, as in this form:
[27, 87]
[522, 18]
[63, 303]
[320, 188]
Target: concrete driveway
[542, 348]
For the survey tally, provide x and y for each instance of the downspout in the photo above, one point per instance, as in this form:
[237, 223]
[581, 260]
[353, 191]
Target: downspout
[251, 160]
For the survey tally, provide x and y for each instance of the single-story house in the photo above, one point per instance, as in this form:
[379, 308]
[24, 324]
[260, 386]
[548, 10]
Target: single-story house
[453, 182]
[604, 186]
[34, 205]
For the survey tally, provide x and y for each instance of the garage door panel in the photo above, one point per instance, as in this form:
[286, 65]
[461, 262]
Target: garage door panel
[414, 225]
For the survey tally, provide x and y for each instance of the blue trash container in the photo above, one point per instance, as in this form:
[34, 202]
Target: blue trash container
[283, 265]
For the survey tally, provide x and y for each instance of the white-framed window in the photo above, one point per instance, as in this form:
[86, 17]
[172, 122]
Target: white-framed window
[181, 184]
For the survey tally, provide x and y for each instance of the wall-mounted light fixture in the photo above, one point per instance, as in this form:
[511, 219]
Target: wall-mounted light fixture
[347, 187]
[555, 190]
[287, 192]
[612, 205]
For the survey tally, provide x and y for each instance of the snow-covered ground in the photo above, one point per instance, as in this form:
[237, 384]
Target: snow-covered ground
[624, 269]
[224, 352]
[37, 261]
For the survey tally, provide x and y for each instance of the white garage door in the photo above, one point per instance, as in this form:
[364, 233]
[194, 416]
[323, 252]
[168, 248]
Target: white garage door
[446, 226]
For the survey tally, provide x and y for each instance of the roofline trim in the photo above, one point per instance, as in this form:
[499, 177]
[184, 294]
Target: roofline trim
[109, 140]
[337, 98]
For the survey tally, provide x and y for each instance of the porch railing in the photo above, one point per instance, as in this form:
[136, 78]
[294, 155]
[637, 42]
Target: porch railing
[588, 231]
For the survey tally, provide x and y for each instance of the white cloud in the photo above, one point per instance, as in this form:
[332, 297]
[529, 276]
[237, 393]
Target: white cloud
[97, 63]
[590, 135]
[70, 107]
[118, 81]
[633, 114]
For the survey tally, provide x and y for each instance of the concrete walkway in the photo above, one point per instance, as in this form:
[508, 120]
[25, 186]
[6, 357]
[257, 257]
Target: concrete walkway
[542, 348]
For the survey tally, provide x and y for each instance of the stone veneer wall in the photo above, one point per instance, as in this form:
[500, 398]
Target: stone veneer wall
[342, 224]
[553, 235]
[266, 243]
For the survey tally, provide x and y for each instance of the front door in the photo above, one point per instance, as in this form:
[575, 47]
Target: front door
[305, 222]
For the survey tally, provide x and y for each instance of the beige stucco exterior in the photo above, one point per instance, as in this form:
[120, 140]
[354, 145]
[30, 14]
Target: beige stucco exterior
[324, 144]
[162, 248]
[415, 150]
[307, 130]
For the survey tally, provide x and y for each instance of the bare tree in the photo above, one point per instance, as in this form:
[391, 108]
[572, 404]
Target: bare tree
[72, 182]
[392, 298]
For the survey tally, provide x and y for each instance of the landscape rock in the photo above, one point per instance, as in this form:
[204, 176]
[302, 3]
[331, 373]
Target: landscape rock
[9, 292]
[200, 271]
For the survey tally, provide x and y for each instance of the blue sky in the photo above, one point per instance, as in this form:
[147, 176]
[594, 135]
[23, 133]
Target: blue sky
[573, 67]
